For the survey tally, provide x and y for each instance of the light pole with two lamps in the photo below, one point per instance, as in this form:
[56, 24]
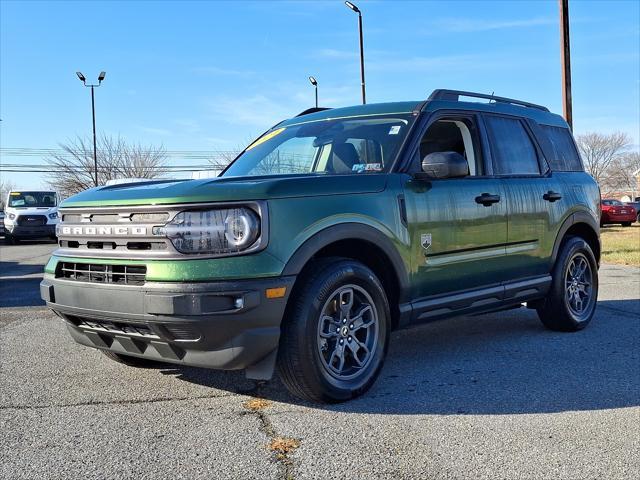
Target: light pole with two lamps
[93, 114]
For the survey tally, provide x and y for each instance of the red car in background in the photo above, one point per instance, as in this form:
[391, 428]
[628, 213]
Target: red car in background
[614, 211]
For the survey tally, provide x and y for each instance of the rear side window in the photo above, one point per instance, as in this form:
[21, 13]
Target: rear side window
[512, 148]
[565, 157]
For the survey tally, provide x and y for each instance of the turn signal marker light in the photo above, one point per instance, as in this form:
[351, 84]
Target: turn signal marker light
[275, 292]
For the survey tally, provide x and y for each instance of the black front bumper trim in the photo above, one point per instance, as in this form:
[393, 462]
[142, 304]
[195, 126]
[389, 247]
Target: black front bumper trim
[225, 325]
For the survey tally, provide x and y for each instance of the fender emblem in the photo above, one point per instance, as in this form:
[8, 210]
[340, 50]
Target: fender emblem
[425, 240]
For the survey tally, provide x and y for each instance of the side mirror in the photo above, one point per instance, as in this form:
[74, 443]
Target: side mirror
[444, 165]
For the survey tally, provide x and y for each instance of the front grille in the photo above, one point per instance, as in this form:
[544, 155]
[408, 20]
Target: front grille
[100, 273]
[131, 232]
[112, 327]
[32, 220]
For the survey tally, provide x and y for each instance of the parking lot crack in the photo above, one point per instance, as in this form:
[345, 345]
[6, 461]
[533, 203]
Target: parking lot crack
[281, 447]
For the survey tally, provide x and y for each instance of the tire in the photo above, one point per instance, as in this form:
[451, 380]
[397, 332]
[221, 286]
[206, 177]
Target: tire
[321, 358]
[564, 308]
[130, 361]
[626, 224]
[10, 239]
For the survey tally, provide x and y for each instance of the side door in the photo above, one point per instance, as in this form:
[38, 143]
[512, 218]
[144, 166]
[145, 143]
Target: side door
[535, 204]
[457, 226]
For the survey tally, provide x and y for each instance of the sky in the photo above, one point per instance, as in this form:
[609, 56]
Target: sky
[214, 75]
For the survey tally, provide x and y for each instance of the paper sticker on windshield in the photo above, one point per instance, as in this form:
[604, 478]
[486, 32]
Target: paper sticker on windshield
[395, 130]
[265, 137]
[14, 193]
[367, 167]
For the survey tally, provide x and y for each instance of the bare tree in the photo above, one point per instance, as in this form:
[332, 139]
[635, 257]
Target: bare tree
[72, 170]
[622, 174]
[222, 159]
[5, 187]
[599, 151]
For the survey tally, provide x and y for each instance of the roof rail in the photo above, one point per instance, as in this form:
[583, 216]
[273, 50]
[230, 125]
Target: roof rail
[454, 96]
[312, 110]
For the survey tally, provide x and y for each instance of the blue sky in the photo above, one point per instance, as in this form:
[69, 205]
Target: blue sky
[212, 75]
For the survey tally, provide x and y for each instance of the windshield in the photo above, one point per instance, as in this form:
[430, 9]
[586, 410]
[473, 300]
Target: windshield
[32, 199]
[357, 145]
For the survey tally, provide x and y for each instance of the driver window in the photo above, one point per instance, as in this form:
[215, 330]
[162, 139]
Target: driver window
[452, 135]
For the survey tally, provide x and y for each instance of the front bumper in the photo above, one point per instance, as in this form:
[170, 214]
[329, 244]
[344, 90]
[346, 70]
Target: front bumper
[225, 325]
[34, 231]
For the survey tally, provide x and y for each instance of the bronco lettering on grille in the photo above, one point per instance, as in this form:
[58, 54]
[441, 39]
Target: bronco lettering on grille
[103, 230]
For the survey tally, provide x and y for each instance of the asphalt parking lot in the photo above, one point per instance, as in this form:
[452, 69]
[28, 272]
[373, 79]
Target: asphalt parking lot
[492, 396]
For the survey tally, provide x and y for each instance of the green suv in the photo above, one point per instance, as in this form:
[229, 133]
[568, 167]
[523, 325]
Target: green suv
[328, 232]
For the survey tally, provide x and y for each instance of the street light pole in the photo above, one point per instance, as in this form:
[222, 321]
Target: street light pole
[565, 54]
[357, 10]
[95, 149]
[314, 82]
[93, 117]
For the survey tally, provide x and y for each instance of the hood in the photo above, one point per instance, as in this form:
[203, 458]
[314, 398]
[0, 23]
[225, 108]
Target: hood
[226, 189]
[31, 210]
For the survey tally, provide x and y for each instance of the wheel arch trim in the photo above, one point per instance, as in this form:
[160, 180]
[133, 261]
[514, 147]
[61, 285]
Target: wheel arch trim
[575, 218]
[349, 231]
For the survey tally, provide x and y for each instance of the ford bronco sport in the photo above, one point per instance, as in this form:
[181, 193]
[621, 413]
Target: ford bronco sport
[329, 231]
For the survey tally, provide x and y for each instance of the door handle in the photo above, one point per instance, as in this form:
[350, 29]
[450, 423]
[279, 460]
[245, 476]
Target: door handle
[551, 196]
[487, 199]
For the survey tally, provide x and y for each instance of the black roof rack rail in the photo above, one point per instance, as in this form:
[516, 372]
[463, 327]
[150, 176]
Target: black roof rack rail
[454, 96]
[312, 110]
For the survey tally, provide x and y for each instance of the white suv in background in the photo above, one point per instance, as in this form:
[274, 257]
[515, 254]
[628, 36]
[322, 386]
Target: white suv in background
[30, 214]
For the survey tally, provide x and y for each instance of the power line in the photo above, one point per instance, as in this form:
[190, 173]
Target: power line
[43, 152]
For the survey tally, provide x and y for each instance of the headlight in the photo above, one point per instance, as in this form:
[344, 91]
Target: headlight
[12, 216]
[219, 231]
[53, 215]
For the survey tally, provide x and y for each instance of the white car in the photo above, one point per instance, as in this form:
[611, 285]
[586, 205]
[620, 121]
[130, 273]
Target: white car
[30, 214]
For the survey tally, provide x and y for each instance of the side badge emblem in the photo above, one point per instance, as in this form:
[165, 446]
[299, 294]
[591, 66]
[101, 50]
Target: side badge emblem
[425, 240]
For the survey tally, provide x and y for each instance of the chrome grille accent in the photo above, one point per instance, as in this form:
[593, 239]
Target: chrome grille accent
[98, 273]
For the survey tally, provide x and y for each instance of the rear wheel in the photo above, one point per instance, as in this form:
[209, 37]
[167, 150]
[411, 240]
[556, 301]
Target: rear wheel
[335, 336]
[131, 361]
[626, 224]
[571, 301]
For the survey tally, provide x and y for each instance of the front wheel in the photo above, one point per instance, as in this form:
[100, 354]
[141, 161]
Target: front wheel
[626, 224]
[336, 333]
[571, 301]
[10, 239]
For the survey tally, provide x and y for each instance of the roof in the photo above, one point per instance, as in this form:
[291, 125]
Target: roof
[440, 100]
[355, 111]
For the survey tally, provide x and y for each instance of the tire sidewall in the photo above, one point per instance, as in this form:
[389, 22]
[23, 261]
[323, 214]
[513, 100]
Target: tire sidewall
[331, 278]
[573, 247]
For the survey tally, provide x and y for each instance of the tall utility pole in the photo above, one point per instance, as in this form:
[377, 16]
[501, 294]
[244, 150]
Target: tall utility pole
[93, 117]
[357, 10]
[565, 54]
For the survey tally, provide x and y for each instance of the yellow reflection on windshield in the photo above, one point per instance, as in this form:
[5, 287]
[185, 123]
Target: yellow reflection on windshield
[265, 137]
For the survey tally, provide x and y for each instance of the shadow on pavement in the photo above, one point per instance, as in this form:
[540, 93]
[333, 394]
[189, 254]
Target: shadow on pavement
[20, 281]
[492, 364]
[20, 292]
